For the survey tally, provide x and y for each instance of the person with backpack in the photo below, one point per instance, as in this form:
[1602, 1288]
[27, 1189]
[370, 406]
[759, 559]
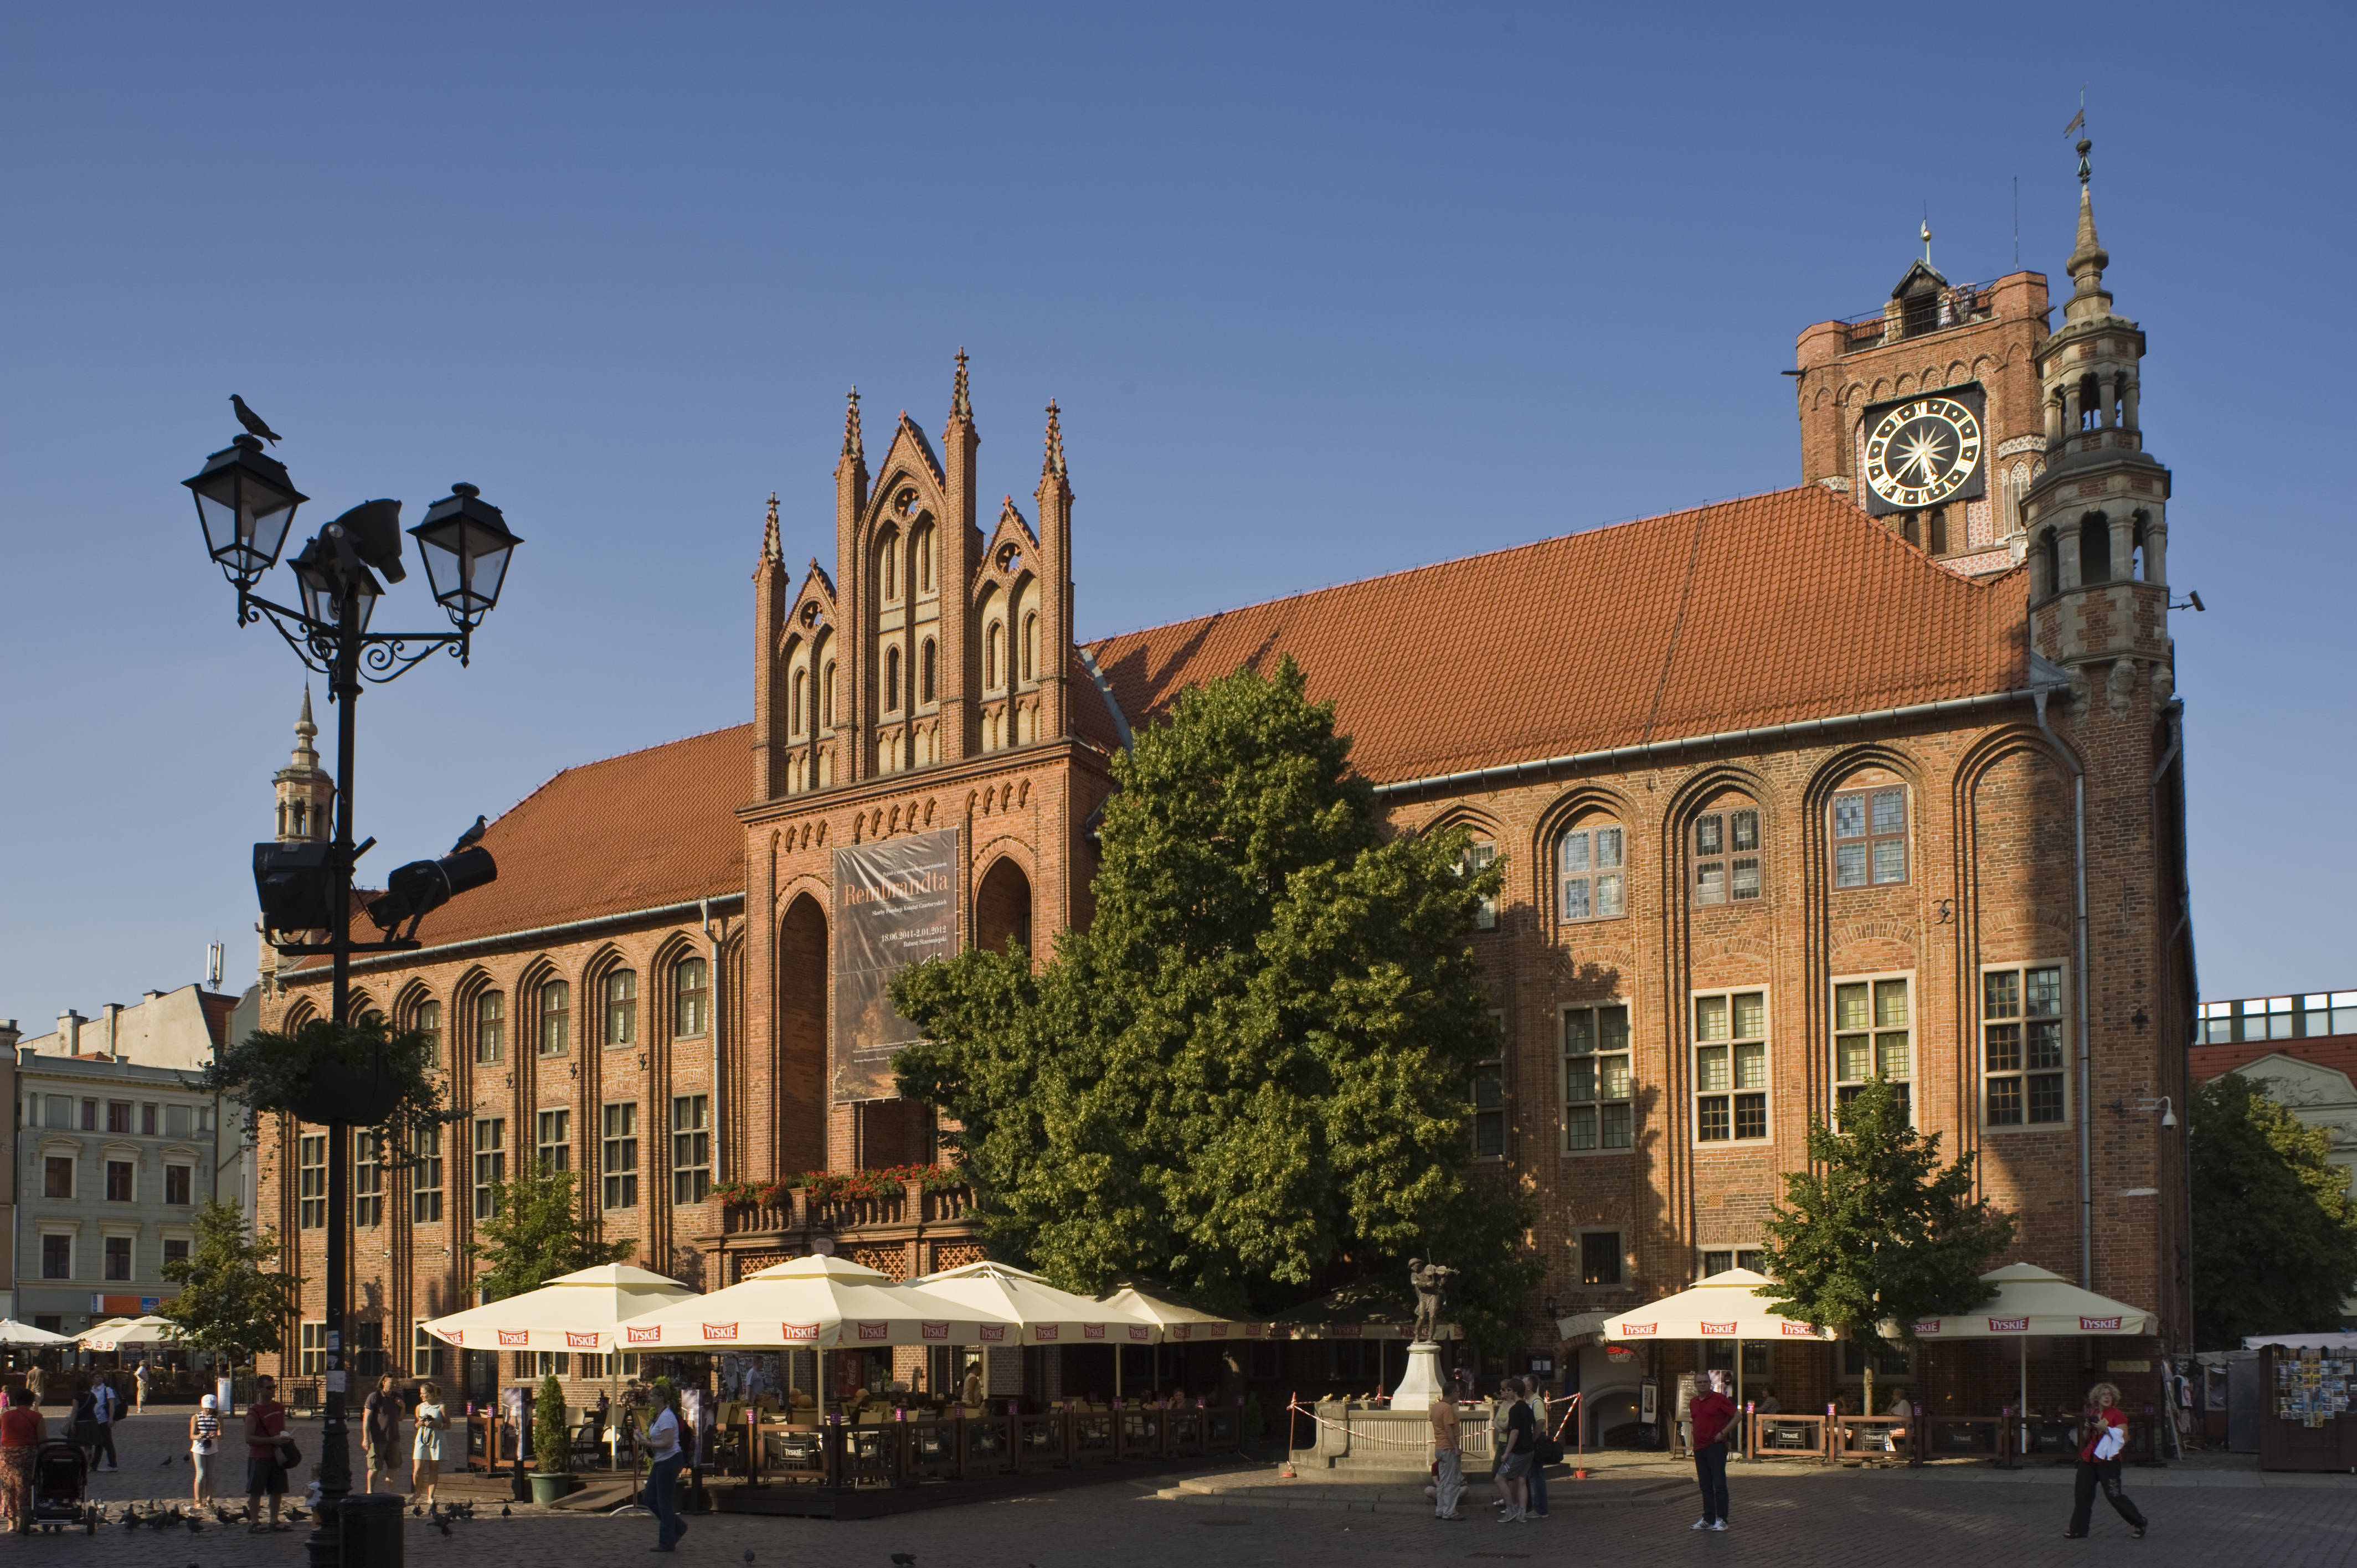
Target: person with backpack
[1713, 1415]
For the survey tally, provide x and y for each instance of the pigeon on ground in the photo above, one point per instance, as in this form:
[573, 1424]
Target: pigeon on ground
[251, 421]
[167, 1462]
[129, 1516]
[442, 1524]
[904, 1559]
[418, 1513]
[194, 1528]
[748, 1560]
[505, 1510]
[471, 836]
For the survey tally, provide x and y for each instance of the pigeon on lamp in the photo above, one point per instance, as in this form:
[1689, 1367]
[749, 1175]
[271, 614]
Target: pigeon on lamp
[251, 421]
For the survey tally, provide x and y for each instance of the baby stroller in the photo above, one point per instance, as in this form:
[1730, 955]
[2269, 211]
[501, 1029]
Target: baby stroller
[61, 1473]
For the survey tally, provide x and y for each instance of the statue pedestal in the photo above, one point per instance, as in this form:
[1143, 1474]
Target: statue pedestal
[1423, 1378]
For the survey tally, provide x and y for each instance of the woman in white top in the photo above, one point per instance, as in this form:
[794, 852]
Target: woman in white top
[204, 1443]
[426, 1451]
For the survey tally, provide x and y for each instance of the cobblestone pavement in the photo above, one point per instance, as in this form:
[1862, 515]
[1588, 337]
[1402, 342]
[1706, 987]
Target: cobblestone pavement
[1785, 1519]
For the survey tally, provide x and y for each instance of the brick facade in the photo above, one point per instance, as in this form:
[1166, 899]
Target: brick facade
[930, 681]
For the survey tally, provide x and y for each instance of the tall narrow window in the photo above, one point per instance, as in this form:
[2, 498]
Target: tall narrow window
[1478, 858]
[1589, 864]
[425, 1352]
[1030, 648]
[57, 1257]
[368, 1179]
[693, 996]
[1870, 836]
[1873, 1038]
[994, 656]
[801, 692]
[426, 1175]
[491, 1027]
[884, 566]
[622, 1007]
[119, 1176]
[891, 680]
[311, 1181]
[920, 558]
[691, 1149]
[118, 1257]
[826, 695]
[619, 1155]
[58, 1176]
[1731, 1066]
[928, 686]
[1726, 857]
[313, 1350]
[556, 1018]
[1597, 1088]
[179, 1184]
[1599, 1257]
[428, 1021]
[491, 1165]
[1489, 1087]
[552, 1140]
[2022, 1045]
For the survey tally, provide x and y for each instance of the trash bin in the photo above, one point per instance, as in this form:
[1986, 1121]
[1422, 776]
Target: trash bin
[368, 1530]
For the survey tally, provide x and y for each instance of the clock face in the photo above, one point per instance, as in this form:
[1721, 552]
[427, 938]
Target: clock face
[1921, 453]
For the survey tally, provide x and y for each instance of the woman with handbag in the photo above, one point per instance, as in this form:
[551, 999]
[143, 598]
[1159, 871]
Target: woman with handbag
[2107, 1434]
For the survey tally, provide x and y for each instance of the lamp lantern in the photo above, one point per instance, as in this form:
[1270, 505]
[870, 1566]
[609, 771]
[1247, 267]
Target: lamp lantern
[245, 504]
[321, 570]
[466, 546]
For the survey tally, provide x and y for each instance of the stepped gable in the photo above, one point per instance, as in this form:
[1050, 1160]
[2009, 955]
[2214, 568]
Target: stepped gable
[1794, 605]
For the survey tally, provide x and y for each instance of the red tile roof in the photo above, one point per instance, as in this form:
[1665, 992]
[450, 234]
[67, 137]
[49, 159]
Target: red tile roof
[635, 832]
[2338, 1052]
[1789, 606]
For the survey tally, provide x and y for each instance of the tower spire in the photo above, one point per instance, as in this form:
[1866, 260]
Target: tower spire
[771, 551]
[1053, 462]
[305, 756]
[2088, 258]
[960, 406]
[850, 442]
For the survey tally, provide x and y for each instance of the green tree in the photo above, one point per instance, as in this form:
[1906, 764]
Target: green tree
[552, 1445]
[544, 1228]
[1248, 1074]
[233, 1300]
[2274, 1231]
[1876, 1233]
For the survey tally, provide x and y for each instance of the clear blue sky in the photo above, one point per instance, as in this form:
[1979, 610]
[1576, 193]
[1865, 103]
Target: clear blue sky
[1323, 292]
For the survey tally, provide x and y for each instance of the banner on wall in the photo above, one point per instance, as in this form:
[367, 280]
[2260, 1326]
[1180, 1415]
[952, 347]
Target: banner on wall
[895, 905]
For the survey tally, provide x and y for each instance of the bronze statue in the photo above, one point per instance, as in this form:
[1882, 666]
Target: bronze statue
[1433, 1282]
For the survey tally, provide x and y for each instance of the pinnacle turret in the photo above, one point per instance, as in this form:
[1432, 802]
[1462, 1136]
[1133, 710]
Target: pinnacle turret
[850, 442]
[961, 406]
[1053, 461]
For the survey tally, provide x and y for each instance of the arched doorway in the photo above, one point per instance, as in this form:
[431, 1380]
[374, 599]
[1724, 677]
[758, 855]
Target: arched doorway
[801, 1036]
[1002, 908]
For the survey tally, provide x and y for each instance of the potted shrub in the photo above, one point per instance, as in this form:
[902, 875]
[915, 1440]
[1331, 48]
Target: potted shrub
[552, 1445]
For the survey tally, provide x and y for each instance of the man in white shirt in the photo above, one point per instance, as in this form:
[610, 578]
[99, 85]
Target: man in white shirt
[663, 1480]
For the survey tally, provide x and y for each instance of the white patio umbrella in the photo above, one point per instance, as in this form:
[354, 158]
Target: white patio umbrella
[2033, 1301]
[118, 1332]
[1178, 1322]
[14, 1333]
[1723, 1307]
[815, 1303]
[581, 1311]
[1043, 1313]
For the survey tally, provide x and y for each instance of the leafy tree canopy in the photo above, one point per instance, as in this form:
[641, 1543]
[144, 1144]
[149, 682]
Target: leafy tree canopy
[233, 1301]
[1248, 1074]
[2275, 1247]
[544, 1228]
[1875, 1234]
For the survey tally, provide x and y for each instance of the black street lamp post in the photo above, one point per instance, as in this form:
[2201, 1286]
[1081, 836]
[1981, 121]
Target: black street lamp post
[246, 505]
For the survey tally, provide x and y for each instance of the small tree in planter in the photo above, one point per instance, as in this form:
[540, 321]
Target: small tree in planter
[551, 1444]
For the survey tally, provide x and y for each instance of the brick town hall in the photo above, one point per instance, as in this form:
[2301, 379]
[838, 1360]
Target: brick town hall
[1761, 845]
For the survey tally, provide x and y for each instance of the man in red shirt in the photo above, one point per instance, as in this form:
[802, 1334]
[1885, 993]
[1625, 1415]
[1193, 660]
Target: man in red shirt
[265, 1423]
[1712, 1413]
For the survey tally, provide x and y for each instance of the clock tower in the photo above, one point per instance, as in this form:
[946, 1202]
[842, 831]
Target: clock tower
[1926, 412]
